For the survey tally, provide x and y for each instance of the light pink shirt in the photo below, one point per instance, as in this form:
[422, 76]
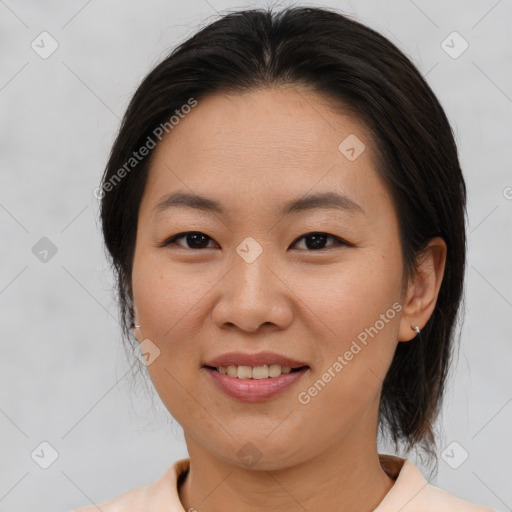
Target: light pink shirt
[410, 493]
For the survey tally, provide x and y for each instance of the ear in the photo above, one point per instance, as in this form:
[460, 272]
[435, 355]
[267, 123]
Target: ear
[423, 289]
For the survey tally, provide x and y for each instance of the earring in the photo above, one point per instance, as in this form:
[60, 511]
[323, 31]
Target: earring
[137, 326]
[415, 328]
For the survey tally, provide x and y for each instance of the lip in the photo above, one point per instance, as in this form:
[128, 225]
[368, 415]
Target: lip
[259, 359]
[254, 390]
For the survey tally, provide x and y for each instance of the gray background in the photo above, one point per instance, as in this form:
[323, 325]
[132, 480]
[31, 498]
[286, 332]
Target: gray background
[64, 377]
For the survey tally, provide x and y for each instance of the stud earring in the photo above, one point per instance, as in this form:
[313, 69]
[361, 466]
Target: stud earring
[415, 328]
[137, 326]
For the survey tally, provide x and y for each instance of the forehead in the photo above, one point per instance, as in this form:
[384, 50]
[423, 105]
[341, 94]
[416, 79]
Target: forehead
[266, 144]
[286, 122]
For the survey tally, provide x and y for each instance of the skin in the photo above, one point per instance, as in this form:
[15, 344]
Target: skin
[253, 152]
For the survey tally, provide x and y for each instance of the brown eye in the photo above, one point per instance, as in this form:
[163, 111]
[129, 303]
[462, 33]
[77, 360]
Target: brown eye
[194, 239]
[316, 241]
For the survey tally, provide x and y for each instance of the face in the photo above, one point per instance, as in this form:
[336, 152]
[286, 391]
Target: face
[319, 284]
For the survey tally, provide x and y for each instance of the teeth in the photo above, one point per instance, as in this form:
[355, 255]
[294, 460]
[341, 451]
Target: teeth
[260, 372]
[244, 372]
[256, 372]
[274, 370]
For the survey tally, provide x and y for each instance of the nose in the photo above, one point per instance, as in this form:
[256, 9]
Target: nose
[254, 296]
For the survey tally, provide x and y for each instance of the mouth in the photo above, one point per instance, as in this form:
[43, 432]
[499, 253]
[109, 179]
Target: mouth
[260, 372]
[254, 377]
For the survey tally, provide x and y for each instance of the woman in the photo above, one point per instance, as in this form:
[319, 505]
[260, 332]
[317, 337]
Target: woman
[285, 212]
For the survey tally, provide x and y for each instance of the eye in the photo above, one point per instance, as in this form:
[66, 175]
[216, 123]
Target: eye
[196, 239]
[318, 239]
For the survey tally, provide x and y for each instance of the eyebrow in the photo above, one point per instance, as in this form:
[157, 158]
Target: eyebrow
[321, 200]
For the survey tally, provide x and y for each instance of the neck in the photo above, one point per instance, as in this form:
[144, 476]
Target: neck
[346, 476]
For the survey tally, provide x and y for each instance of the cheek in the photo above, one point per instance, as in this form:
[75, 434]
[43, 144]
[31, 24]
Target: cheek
[352, 296]
[168, 299]
[166, 294]
[356, 317]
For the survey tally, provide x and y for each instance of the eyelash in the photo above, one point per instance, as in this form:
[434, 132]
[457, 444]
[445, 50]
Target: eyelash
[339, 241]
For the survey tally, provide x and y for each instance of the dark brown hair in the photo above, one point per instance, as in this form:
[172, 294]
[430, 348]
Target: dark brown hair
[352, 65]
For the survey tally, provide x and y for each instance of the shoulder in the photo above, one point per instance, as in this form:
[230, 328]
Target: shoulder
[132, 500]
[161, 494]
[412, 493]
[442, 501]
